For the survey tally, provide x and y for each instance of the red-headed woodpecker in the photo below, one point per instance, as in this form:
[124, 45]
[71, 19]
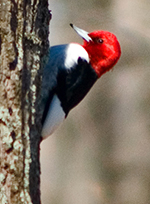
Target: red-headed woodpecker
[71, 71]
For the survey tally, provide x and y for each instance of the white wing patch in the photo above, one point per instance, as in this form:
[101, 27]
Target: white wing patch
[55, 117]
[73, 52]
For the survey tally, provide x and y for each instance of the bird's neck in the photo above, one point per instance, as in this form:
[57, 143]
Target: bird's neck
[102, 66]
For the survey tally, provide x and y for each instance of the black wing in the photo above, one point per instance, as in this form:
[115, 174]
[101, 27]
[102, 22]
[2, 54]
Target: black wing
[49, 83]
[74, 84]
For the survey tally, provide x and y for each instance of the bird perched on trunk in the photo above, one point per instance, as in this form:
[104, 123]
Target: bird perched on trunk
[71, 71]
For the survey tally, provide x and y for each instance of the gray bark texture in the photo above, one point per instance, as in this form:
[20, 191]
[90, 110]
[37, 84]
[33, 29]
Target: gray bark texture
[23, 50]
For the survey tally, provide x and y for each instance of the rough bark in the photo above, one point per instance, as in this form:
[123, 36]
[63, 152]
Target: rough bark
[23, 47]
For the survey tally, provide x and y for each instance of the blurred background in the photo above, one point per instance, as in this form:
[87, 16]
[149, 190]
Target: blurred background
[101, 153]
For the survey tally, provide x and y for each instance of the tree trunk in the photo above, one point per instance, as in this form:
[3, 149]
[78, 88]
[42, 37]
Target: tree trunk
[23, 47]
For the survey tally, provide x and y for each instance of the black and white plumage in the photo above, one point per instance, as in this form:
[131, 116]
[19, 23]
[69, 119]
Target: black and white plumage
[71, 71]
[67, 78]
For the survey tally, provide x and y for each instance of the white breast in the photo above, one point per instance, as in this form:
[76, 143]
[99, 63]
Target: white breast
[55, 117]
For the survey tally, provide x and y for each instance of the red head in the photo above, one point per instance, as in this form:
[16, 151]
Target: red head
[103, 49]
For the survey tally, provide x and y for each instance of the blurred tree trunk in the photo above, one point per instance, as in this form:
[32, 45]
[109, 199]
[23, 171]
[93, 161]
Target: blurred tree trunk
[23, 49]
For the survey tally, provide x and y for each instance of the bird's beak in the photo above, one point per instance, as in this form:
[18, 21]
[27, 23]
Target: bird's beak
[82, 33]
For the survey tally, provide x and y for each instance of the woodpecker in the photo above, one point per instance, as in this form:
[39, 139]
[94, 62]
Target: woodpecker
[71, 71]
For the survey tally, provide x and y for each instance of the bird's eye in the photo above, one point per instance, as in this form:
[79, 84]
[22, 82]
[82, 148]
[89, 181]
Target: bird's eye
[100, 40]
